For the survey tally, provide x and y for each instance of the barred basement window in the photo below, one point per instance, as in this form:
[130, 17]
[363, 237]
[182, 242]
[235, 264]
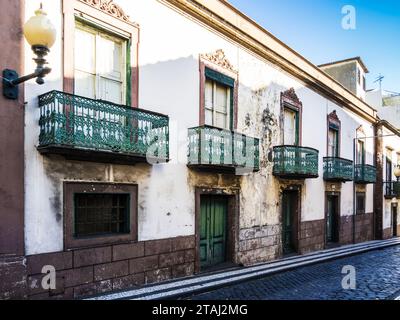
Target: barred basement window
[360, 202]
[101, 214]
[97, 214]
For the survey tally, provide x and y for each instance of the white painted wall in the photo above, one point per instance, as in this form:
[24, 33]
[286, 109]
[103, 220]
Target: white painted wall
[170, 45]
[390, 113]
[360, 87]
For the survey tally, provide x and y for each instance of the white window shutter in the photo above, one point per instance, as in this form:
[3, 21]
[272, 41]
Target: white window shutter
[85, 51]
[208, 102]
[289, 127]
[85, 66]
[100, 70]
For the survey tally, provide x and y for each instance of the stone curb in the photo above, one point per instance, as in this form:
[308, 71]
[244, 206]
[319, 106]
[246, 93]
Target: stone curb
[206, 282]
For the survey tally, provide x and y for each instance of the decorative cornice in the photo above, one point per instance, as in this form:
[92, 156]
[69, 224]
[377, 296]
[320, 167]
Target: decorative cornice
[361, 130]
[333, 117]
[291, 96]
[109, 7]
[218, 57]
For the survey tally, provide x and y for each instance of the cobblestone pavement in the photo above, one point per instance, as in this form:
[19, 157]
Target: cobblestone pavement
[377, 277]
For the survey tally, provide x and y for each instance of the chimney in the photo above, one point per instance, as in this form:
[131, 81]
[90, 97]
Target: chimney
[350, 73]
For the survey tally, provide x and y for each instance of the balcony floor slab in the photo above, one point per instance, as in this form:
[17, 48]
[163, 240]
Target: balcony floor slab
[99, 156]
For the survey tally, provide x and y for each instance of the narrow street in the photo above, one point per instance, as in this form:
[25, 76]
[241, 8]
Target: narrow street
[377, 278]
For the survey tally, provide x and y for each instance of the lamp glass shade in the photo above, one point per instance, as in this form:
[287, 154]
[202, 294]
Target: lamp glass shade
[39, 31]
[397, 171]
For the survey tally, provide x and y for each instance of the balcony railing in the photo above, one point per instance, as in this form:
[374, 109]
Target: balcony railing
[86, 129]
[293, 162]
[364, 174]
[221, 150]
[391, 189]
[338, 169]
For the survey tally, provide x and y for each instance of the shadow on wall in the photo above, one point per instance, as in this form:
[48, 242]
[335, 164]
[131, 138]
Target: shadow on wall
[173, 88]
[170, 87]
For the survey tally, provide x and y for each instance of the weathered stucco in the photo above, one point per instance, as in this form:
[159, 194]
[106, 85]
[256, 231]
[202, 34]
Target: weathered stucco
[169, 84]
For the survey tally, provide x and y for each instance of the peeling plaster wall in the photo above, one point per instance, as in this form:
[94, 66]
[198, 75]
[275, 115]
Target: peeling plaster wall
[170, 45]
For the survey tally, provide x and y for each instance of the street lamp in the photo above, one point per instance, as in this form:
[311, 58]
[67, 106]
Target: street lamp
[397, 172]
[40, 33]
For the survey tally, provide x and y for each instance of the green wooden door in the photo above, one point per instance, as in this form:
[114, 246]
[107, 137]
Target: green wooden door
[289, 221]
[213, 230]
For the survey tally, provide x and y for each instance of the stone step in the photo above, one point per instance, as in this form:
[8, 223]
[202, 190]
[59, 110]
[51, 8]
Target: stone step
[206, 282]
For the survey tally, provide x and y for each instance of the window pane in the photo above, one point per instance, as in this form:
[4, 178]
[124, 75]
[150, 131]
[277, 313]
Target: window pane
[85, 84]
[100, 65]
[110, 58]
[333, 143]
[360, 153]
[221, 98]
[101, 214]
[221, 120]
[85, 54]
[208, 98]
[110, 90]
[209, 117]
[290, 127]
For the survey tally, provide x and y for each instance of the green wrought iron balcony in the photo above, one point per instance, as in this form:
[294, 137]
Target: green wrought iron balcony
[293, 162]
[338, 169]
[391, 189]
[96, 130]
[221, 150]
[364, 174]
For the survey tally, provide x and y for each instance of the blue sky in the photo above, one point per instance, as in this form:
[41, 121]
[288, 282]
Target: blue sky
[314, 29]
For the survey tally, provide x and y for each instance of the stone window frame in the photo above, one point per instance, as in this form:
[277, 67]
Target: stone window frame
[72, 187]
[289, 99]
[217, 62]
[333, 122]
[108, 16]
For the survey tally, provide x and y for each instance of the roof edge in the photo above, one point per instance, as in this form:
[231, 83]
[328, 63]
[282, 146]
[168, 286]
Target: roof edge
[224, 18]
[358, 59]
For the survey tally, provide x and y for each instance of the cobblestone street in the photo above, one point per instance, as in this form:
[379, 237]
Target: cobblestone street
[377, 277]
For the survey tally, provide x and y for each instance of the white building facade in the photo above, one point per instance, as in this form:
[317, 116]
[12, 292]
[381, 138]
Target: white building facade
[182, 142]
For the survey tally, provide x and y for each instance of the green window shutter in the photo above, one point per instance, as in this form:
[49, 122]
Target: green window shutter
[297, 128]
[128, 73]
[219, 77]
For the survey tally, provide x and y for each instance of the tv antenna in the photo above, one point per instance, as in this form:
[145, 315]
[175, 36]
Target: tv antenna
[379, 79]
